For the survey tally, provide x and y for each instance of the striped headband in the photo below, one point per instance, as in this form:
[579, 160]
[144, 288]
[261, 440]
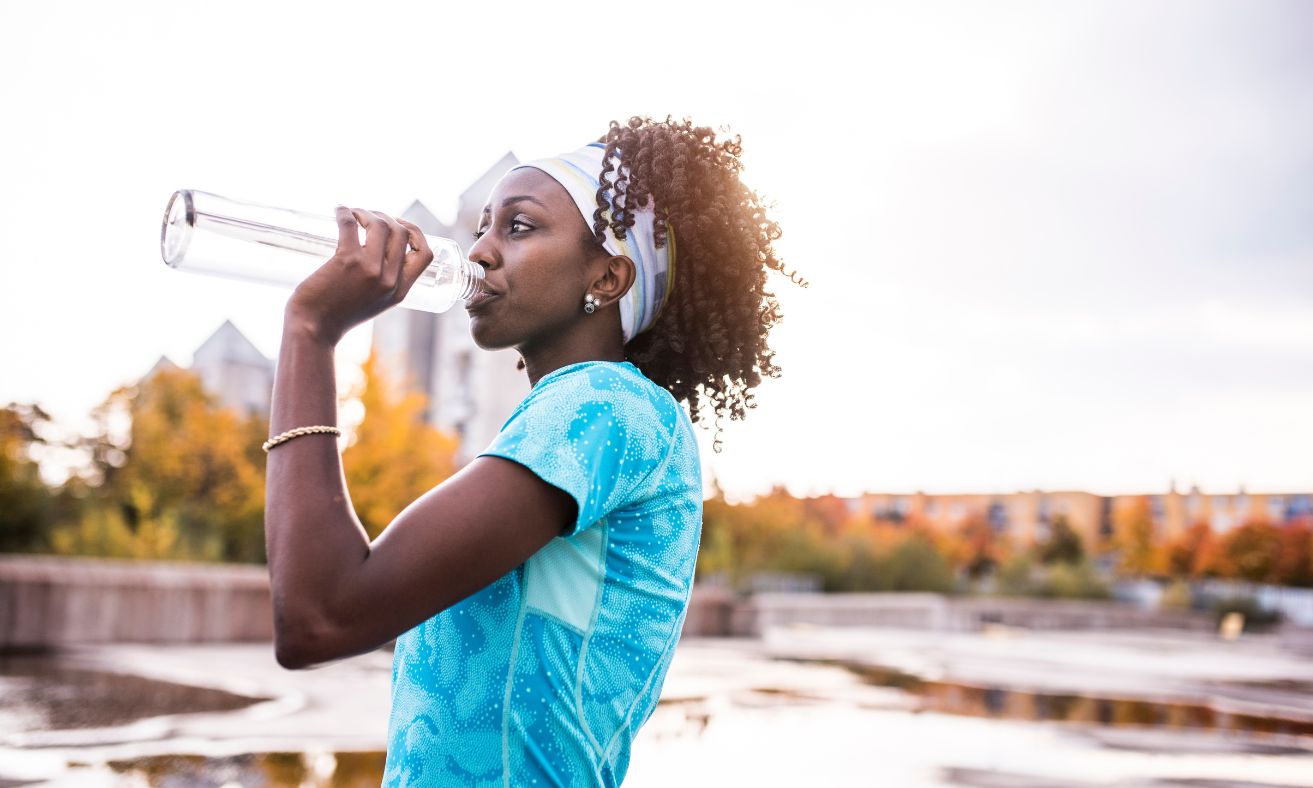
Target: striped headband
[580, 172]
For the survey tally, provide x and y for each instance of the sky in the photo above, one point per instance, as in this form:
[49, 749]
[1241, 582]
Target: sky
[1060, 246]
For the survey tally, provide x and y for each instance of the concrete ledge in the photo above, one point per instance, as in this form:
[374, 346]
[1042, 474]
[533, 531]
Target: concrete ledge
[48, 601]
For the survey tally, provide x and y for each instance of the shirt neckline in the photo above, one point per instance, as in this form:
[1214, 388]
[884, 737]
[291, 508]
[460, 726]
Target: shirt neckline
[568, 367]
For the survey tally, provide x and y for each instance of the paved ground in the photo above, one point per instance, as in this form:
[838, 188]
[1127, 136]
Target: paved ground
[734, 716]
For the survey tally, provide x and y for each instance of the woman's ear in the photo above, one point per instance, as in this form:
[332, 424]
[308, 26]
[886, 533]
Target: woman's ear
[615, 280]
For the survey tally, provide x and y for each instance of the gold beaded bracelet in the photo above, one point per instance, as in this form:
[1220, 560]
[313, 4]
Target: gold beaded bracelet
[296, 433]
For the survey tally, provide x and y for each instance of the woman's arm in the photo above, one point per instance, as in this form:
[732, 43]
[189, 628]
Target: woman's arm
[335, 594]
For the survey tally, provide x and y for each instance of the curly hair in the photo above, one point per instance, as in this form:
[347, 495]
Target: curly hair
[708, 346]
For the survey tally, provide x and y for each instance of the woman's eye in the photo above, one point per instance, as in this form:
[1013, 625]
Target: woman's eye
[482, 232]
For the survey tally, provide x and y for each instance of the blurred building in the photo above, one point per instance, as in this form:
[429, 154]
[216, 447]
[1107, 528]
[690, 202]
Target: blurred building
[1174, 511]
[471, 392]
[1022, 516]
[232, 369]
[1027, 517]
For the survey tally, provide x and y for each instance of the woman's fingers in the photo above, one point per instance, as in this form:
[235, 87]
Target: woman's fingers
[418, 258]
[394, 251]
[348, 230]
[376, 238]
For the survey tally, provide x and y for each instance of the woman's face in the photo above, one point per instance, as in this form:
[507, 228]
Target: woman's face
[534, 246]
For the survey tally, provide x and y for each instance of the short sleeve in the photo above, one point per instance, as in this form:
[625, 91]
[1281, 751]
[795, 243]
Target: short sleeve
[596, 433]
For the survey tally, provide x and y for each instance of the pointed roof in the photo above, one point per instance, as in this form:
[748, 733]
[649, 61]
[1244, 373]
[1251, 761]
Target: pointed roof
[420, 215]
[228, 343]
[478, 191]
[164, 363]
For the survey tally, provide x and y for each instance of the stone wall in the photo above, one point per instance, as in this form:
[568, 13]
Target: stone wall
[47, 601]
[722, 614]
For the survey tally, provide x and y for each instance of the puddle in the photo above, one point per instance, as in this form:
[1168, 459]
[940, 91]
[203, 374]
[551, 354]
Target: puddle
[980, 778]
[1003, 703]
[40, 692]
[248, 770]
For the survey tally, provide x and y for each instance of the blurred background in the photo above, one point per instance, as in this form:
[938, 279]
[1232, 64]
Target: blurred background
[1031, 505]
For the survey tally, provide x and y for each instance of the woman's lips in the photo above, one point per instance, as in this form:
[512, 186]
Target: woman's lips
[479, 300]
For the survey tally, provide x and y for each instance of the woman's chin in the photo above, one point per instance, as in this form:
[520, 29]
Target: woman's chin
[484, 335]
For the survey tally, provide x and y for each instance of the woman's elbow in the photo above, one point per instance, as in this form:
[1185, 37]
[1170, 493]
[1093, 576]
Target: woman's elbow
[299, 644]
[288, 655]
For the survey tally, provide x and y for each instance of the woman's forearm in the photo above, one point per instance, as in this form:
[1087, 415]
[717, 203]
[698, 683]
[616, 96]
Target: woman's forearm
[313, 538]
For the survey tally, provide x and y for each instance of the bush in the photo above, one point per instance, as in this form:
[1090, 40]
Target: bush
[915, 565]
[1177, 596]
[1074, 581]
[1017, 577]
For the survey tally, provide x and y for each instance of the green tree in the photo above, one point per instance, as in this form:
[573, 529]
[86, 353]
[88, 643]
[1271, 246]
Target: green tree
[26, 503]
[915, 565]
[1074, 580]
[1063, 544]
[1017, 576]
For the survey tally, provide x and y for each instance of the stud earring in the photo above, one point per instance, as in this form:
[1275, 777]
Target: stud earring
[590, 303]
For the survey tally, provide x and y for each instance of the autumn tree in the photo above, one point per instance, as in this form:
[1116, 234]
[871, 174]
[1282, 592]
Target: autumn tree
[26, 505]
[976, 547]
[186, 481]
[1133, 538]
[1295, 555]
[394, 457]
[821, 537]
[1254, 550]
[772, 533]
[1194, 552]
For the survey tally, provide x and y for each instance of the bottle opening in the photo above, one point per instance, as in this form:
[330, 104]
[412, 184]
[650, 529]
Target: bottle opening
[176, 232]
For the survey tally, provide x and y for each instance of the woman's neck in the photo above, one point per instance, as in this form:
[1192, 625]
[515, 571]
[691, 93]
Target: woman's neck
[536, 365]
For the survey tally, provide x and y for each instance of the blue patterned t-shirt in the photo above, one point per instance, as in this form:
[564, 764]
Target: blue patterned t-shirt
[544, 677]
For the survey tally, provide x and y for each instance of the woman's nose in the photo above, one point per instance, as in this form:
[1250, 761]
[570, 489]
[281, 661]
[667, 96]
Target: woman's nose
[481, 252]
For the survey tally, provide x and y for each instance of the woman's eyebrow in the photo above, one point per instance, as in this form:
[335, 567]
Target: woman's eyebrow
[506, 203]
[509, 201]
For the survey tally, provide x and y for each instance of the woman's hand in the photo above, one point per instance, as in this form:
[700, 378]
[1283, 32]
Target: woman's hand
[360, 282]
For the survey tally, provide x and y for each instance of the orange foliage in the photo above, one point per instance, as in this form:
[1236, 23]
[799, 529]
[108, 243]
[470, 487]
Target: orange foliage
[1133, 539]
[395, 457]
[1253, 551]
[974, 546]
[1194, 553]
[1295, 555]
[187, 484]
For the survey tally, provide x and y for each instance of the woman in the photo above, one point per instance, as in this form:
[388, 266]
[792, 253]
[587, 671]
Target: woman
[535, 596]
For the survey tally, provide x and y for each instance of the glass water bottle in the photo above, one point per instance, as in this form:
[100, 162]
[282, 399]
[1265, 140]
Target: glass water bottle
[210, 234]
